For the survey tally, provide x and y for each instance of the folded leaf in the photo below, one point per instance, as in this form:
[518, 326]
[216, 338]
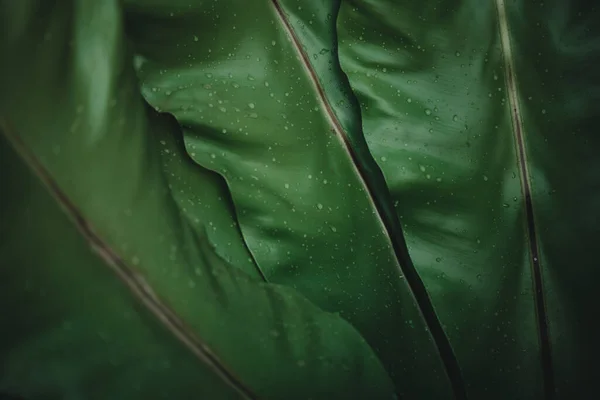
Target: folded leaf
[483, 118]
[151, 310]
[263, 102]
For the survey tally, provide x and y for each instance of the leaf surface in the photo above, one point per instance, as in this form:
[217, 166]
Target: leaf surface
[151, 310]
[263, 102]
[482, 117]
[251, 244]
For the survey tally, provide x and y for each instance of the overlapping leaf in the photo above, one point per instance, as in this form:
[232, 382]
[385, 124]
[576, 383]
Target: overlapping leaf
[480, 115]
[155, 313]
[483, 118]
[263, 102]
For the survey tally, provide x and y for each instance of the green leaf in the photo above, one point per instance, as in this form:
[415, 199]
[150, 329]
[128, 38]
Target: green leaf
[263, 102]
[483, 118]
[109, 282]
[192, 209]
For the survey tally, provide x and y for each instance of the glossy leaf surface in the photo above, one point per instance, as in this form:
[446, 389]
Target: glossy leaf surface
[483, 118]
[192, 208]
[155, 313]
[262, 101]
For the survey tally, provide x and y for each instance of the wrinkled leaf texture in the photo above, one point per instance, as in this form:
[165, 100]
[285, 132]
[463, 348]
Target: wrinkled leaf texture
[299, 199]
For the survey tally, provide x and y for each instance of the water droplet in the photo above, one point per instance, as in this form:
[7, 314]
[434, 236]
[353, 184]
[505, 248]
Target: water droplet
[409, 100]
[251, 105]
[287, 185]
[273, 43]
[457, 54]
[320, 206]
[209, 75]
[438, 259]
[384, 159]
[422, 168]
[455, 118]
[485, 178]
[196, 38]
[427, 111]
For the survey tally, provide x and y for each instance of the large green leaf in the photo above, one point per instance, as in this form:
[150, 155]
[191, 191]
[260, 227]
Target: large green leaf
[248, 244]
[483, 116]
[151, 310]
[263, 102]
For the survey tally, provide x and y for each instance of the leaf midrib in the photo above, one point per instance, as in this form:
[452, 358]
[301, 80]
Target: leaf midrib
[131, 277]
[390, 223]
[533, 245]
